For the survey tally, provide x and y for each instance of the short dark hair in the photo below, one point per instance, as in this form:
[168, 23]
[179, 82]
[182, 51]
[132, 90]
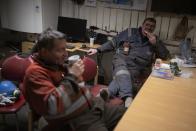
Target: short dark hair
[47, 37]
[150, 19]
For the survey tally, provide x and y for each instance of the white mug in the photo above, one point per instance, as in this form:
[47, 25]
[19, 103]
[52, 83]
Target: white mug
[92, 42]
[72, 59]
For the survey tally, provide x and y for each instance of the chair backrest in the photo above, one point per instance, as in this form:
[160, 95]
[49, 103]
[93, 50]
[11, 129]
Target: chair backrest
[14, 67]
[90, 69]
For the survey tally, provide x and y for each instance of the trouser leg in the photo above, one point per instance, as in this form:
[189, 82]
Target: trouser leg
[112, 115]
[102, 117]
[138, 78]
[91, 120]
[121, 84]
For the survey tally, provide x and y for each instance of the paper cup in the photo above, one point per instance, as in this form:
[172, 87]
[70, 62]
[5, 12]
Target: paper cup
[72, 59]
[92, 42]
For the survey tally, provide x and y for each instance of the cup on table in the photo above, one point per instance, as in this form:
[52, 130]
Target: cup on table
[92, 42]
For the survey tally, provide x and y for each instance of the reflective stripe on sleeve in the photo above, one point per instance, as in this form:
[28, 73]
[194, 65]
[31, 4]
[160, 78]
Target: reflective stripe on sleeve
[52, 105]
[73, 107]
[122, 72]
[64, 96]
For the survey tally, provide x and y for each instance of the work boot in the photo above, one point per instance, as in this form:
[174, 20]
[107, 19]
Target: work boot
[104, 94]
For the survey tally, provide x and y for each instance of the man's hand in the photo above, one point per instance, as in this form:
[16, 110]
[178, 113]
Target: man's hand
[151, 37]
[92, 51]
[77, 68]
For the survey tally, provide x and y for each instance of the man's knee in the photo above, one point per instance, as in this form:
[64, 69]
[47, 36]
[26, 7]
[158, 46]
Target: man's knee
[122, 72]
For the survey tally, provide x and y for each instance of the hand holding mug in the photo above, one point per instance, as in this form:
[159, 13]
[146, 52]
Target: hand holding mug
[76, 66]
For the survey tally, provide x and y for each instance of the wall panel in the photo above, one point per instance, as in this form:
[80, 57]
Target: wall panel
[119, 19]
[93, 16]
[82, 12]
[106, 18]
[174, 21]
[141, 17]
[113, 18]
[100, 17]
[134, 19]
[126, 19]
[164, 29]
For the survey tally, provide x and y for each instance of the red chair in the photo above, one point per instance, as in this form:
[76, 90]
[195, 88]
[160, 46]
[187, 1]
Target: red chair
[13, 68]
[13, 109]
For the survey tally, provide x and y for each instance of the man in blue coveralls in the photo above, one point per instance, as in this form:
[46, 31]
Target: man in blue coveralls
[136, 50]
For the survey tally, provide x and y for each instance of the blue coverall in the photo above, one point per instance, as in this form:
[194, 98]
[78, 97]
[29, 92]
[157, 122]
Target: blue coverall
[130, 68]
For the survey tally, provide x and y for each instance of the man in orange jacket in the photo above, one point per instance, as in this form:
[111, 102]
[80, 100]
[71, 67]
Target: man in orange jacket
[52, 89]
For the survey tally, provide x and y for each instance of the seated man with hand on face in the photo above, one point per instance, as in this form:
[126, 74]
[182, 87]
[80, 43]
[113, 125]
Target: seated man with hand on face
[136, 49]
[52, 90]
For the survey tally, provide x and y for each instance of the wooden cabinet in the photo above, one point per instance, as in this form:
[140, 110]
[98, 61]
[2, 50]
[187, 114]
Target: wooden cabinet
[27, 46]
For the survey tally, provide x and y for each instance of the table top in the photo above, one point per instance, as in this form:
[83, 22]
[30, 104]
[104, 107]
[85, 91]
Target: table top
[79, 45]
[163, 105]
